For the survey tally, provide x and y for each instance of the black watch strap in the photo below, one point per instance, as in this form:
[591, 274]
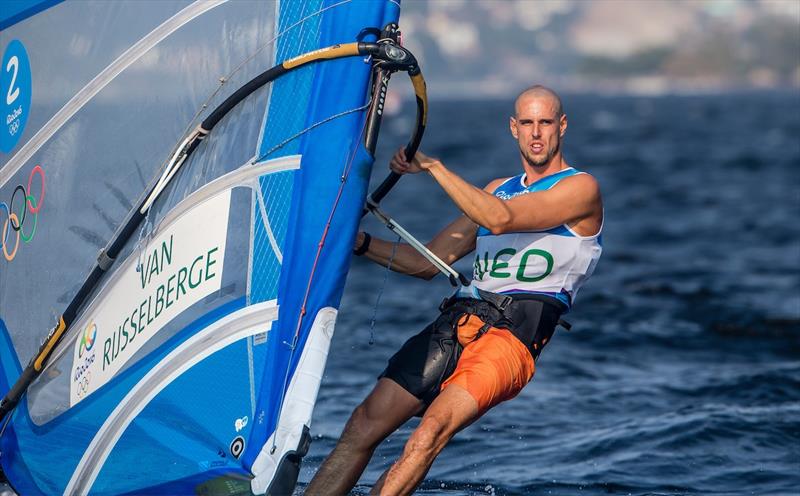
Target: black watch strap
[364, 245]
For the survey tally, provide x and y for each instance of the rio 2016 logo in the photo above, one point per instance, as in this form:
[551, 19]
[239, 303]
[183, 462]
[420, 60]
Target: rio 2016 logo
[82, 376]
[21, 215]
[87, 339]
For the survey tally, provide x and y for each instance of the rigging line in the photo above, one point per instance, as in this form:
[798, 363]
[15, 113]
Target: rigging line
[380, 292]
[100, 81]
[309, 128]
[224, 79]
[320, 245]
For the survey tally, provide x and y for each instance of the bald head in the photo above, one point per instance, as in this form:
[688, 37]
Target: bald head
[538, 125]
[539, 91]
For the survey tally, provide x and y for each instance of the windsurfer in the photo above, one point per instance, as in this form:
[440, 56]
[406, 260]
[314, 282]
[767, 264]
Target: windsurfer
[537, 238]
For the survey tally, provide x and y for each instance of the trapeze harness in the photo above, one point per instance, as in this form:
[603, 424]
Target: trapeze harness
[512, 270]
[522, 282]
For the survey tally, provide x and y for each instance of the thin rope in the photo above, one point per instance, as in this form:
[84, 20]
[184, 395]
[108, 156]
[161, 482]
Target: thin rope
[380, 293]
[309, 128]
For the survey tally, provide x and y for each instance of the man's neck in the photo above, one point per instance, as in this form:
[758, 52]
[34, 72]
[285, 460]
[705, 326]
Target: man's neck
[533, 173]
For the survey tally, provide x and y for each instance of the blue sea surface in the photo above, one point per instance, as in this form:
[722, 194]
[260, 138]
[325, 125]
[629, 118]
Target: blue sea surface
[682, 372]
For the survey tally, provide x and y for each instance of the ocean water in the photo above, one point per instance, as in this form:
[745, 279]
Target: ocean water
[682, 372]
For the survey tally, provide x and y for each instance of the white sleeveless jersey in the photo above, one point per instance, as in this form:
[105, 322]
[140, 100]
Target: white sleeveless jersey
[555, 262]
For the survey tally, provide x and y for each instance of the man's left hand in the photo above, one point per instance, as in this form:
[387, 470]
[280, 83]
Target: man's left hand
[419, 163]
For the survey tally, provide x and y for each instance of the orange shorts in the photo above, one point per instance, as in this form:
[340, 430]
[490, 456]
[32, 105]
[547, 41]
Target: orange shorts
[492, 368]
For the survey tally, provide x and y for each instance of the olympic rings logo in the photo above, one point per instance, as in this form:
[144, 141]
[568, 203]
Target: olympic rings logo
[17, 217]
[82, 386]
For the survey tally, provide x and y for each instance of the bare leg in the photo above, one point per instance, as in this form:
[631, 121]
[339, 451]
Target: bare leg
[450, 412]
[379, 483]
[386, 408]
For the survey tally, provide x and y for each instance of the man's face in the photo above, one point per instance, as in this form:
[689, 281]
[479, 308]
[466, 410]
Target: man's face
[538, 128]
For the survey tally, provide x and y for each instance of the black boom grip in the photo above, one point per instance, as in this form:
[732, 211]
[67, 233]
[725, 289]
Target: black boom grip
[383, 189]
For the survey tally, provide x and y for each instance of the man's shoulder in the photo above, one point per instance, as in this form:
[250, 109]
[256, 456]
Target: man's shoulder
[581, 179]
[496, 183]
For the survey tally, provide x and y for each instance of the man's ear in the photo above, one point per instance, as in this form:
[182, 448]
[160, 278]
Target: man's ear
[512, 125]
[562, 125]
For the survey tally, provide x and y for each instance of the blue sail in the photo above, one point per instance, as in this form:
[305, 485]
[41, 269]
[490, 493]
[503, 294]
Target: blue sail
[194, 366]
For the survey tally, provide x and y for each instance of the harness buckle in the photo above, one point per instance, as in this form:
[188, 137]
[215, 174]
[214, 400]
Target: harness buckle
[505, 301]
[501, 302]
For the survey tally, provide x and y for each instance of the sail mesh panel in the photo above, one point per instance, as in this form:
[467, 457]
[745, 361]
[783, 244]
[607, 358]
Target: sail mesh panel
[277, 191]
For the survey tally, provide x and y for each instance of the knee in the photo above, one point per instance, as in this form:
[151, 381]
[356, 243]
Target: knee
[430, 436]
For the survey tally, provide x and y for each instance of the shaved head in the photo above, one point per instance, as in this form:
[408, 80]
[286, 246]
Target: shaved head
[538, 124]
[539, 91]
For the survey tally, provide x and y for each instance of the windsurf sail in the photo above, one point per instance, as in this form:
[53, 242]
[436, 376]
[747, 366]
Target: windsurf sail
[193, 361]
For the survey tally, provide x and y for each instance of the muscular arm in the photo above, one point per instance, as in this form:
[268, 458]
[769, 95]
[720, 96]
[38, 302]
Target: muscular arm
[571, 200]
[450, 244]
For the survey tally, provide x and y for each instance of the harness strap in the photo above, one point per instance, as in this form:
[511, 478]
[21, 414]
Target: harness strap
[483, 330]
[502, 302]
[501, 311]
[499, 301]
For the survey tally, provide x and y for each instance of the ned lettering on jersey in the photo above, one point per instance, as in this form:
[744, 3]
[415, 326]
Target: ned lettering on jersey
[537, 239]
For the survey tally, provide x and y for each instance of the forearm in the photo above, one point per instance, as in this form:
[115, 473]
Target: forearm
[481, 207]
[406, 259]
